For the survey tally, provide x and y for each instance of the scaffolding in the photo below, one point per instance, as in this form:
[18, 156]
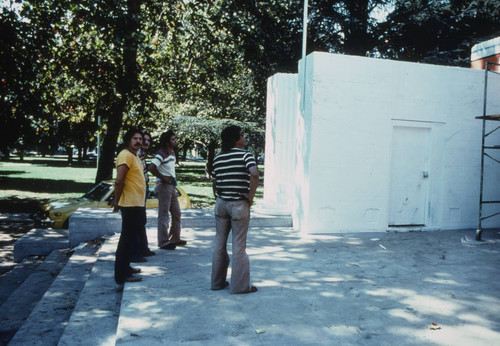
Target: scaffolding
[485, 149]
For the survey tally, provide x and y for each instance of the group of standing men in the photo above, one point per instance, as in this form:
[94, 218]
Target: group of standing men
[235, 181]
[131, 189]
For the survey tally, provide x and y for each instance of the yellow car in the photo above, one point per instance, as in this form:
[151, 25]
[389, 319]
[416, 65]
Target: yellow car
[56, 214]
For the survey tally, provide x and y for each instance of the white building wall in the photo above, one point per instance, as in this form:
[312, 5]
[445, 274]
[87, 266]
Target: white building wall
[352, 109]
[281, 114]
[302, 146]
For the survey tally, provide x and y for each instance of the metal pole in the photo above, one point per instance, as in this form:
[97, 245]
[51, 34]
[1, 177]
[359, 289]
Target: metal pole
[479, 228]
[98, 139]
[304, 49]
[304, 29]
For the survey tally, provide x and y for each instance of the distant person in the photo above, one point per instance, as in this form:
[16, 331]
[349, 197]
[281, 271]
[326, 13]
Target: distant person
[163, 168]
[143, 153]
[235, 180]
[130, 191]
[143, 248]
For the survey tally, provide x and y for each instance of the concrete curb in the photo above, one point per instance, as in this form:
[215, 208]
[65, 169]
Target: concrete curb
[12, 279]
[95, 317]
[90, 223]
[22, 301]
[48, 319]
[40, 241]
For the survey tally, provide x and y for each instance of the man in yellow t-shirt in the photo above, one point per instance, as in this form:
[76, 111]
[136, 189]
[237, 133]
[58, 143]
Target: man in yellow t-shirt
[130, 195]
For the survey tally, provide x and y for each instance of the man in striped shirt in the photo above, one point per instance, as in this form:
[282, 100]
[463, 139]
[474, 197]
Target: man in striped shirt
[235, 180]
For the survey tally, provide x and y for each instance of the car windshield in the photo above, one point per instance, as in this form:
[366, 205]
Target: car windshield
[98, 192]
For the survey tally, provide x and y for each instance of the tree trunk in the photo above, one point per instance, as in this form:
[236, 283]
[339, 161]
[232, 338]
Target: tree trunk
[212, 146]
[187, 145]
[125, 84]
[21, 153]
[107, 159]
[69, 152]
[6, 153]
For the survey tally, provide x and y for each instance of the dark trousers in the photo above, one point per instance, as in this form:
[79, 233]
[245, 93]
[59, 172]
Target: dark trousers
[141, 246]
[144, 246]
[133, 220]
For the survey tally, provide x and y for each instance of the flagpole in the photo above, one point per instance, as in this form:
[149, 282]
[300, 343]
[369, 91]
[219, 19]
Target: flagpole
[304, 29]
[303, 62]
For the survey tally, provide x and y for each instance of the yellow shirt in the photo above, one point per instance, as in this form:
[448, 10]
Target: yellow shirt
[134, 191]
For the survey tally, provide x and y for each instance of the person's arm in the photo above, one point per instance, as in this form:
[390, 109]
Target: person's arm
[254, 183]
[154, 170]
[214, 187]
[121, 173]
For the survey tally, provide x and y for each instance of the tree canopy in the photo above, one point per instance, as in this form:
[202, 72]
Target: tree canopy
[194, 65]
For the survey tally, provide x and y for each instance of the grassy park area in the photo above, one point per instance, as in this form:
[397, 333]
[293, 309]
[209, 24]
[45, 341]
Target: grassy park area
[24, 184]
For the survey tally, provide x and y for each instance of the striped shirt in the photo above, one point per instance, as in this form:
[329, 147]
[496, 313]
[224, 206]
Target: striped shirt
[231, 173]
[142, 156]
[165, 165]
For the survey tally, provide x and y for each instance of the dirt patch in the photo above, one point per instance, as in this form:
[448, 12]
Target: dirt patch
[17, 224]
[20, 205]
[10, 231]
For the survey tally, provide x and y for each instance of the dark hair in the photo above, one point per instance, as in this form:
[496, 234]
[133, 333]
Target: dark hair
[129, 134]
[165, 138]
[229, 136]
[147, 133]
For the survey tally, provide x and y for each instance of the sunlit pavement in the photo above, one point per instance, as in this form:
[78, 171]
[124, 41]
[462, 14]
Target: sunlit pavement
[416, 288]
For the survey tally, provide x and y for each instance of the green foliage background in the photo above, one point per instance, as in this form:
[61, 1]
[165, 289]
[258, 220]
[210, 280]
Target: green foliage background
[24, 185]
[194, 65]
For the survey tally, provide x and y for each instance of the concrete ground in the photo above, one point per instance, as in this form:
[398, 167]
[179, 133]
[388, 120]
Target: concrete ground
[392, 288]
[416, 288]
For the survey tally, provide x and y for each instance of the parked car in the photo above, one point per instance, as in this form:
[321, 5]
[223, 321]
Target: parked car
[91, 156]
[56, 214]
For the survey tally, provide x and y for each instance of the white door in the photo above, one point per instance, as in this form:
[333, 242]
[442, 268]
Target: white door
[409, 176]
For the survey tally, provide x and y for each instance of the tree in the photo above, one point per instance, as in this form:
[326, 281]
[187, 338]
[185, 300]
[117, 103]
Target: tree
[269, 35]
[205, 79]
[126, 82]
[345, 26]
[441, 32]
[46, 67]
[206, 132]
[192, 64]
[20, 110]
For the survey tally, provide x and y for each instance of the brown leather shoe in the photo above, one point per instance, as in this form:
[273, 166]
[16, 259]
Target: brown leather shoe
[169, 246]
[251, 290]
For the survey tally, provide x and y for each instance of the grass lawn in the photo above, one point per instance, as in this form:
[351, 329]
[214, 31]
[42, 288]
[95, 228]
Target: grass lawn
[24, 184]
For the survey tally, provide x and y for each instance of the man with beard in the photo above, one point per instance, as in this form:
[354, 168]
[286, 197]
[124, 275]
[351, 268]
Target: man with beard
[130, 194]
[143, 249]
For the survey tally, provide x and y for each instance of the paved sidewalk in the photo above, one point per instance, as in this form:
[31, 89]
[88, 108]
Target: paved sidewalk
[416, 288]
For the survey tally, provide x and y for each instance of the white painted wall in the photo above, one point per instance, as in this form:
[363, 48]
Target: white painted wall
[353, 110]
[281, 113]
